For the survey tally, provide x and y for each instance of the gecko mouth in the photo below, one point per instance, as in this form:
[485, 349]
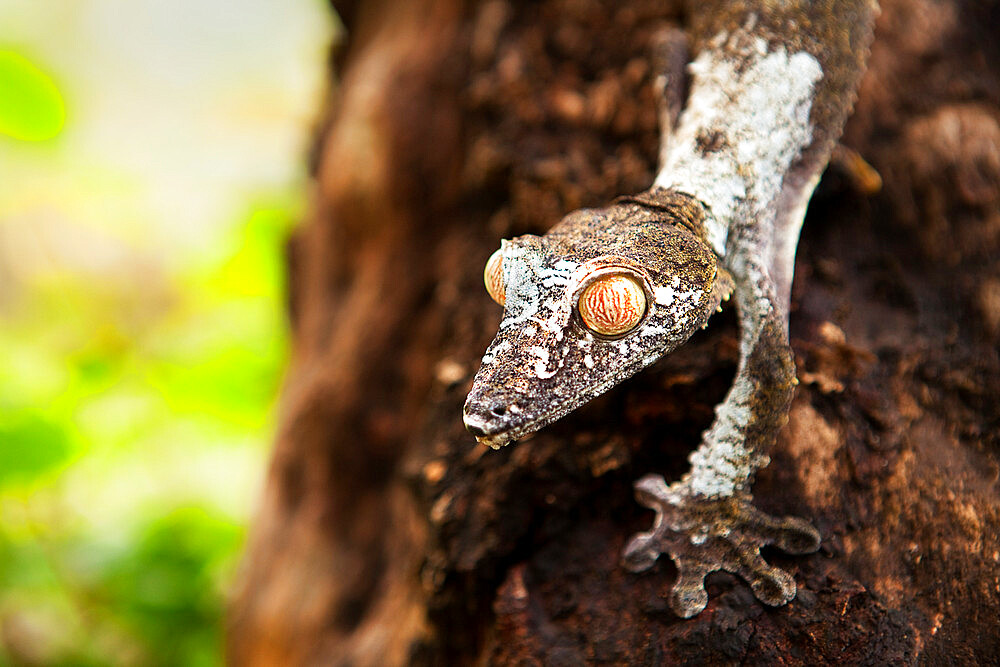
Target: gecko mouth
[495, 441]
[492, 432]
[495, 428]
[500, 438]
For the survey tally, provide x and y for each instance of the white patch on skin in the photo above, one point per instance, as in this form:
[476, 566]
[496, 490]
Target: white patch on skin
[524, 275]
[542, 364]
[527, 278]
[552, 324]
[495, 351]
[680, 304]
[520, 268]
[542, 372]
[664, 296]
[561, 273]
[673, 300]
[588, 361]
[540, 352]
[722, 464]
[759, 108]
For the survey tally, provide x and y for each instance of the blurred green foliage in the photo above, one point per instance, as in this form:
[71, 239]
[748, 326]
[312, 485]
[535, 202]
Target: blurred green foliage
[150, 171]
[132, 420]
[32, 445]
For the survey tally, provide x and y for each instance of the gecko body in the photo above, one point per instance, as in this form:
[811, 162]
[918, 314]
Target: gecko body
[609, 291]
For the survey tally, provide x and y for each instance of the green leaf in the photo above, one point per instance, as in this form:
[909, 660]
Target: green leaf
[31, 108]
[31, 446]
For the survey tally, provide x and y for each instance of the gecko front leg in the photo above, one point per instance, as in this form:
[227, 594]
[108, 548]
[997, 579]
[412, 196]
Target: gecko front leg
[706, 522]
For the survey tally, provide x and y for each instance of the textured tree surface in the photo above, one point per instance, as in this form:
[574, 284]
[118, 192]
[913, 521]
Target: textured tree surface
[386, 535]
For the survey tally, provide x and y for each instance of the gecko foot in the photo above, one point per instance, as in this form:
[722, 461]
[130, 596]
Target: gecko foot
[703, 535]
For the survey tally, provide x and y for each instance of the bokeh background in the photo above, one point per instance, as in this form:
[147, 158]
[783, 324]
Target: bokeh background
[152, 162]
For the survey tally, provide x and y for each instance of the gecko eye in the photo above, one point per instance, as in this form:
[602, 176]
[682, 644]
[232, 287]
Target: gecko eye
[612, 305]
[493, 277]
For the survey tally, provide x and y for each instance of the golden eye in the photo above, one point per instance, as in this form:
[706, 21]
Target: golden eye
[613, 305]
[493, 277]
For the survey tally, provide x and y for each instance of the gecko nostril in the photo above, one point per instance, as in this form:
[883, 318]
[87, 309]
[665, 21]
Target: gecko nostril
[498, 410]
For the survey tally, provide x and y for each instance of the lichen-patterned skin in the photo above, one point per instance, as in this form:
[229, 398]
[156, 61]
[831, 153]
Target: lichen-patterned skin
[543, 362]
[772, 84]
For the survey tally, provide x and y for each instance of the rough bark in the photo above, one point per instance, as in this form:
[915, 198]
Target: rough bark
[386, 535]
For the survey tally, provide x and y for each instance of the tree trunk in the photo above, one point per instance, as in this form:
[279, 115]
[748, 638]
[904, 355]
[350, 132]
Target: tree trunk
[386, 535]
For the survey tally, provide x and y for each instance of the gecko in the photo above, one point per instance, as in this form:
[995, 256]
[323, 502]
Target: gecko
[607, 292]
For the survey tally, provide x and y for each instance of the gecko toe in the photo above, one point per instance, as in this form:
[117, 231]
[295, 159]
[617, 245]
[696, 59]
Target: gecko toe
[688, 596]
[790, 534]
[651, 490]
[796, 536]
[640, 553]
[772, 586]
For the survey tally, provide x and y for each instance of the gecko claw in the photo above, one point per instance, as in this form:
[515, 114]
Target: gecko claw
[703, 535]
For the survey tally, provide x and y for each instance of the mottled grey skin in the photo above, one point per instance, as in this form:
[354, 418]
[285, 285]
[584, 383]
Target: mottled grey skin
[772, 84]
[543, 363]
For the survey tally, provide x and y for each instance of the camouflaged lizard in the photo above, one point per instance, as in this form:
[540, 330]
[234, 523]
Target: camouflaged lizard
[609, 291]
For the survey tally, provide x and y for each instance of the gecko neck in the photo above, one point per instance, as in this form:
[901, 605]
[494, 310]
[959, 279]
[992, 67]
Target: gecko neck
[746, 121]
[681, 209]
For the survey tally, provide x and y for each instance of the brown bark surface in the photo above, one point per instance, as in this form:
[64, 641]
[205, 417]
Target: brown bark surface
[386, 535]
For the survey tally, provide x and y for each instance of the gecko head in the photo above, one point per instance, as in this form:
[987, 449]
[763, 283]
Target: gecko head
[602, 295]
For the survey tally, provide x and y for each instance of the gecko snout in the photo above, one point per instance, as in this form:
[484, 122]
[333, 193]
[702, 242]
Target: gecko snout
[490, 419]
[485, 418]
